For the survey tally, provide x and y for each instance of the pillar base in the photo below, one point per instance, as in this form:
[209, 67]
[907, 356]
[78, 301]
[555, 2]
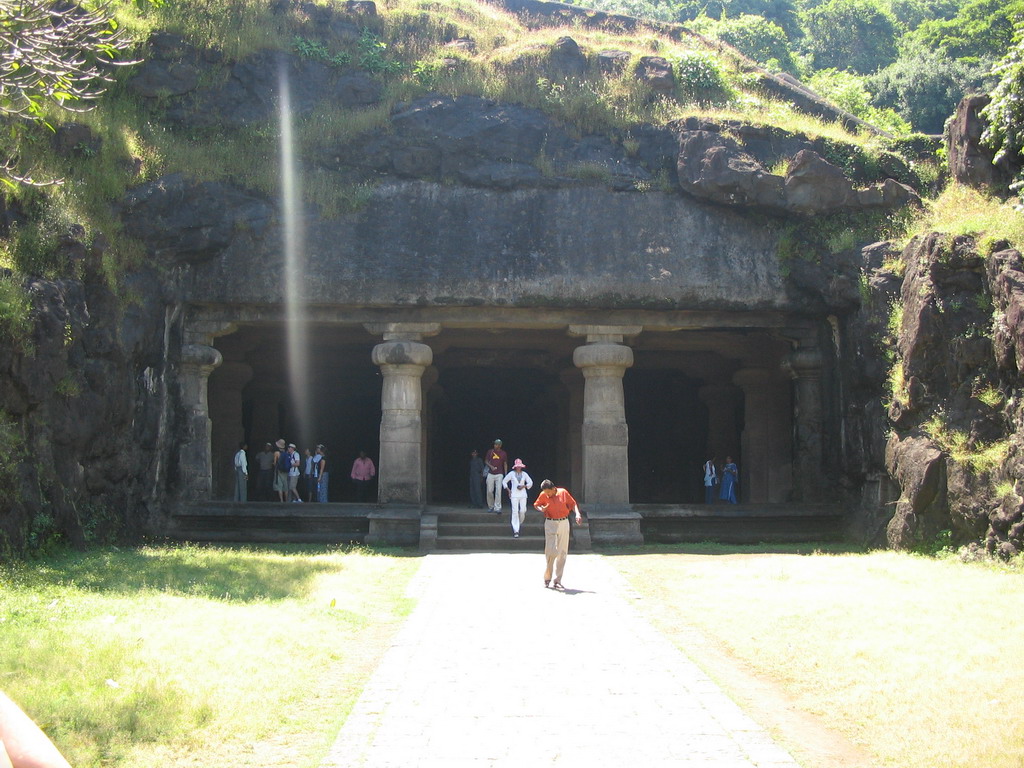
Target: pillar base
[428, 533]
[614, 525]
[394, 526]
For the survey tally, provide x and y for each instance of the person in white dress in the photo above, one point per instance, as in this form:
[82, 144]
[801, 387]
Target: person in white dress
[517, 483]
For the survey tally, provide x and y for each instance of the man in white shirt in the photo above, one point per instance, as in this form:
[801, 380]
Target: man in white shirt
[293, 475]
[241, 473]
[517, 483]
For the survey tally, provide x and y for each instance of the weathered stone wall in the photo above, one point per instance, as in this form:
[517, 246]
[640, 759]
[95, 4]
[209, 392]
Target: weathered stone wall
[423, 243]
[89, 399]
[946, 350]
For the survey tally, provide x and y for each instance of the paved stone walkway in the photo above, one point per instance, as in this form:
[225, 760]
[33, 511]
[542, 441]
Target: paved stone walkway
[491, 668]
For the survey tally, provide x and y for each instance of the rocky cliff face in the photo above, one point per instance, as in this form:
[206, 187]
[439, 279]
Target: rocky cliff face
[88, 398]
[944, 343]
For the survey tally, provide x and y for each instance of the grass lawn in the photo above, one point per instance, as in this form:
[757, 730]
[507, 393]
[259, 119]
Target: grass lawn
[913, 659]
[211, 657]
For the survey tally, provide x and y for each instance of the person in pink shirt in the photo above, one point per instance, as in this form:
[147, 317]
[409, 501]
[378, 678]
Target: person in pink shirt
[363, 473]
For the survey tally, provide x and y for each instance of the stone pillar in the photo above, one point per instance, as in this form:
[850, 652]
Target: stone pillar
[722, 401]
[804, 365]
[402, 359]
[432, 393]
[766, 436]
[197, 363]
[573, 381]
[605, 434]
[225, 400]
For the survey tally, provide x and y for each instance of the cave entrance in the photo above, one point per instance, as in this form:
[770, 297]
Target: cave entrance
[688, 396]
[668, 436]
[250, 399]
[471, 406]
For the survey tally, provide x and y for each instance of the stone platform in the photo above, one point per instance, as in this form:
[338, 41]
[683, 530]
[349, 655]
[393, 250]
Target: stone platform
[460, 528]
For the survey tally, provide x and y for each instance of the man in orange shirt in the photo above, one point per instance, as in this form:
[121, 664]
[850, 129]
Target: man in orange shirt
[556, 504]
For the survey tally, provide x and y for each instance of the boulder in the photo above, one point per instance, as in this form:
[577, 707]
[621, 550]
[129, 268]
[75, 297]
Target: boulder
[76, 140]
[970, 161]
[715, 167]
[656, 72]
[918, 466]
[613, 62]
[566, 59]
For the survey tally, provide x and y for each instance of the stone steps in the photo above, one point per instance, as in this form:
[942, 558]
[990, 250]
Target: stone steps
[481, 531]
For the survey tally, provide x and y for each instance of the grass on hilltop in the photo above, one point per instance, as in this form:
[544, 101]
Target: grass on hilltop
[189, 656]
[909, 657]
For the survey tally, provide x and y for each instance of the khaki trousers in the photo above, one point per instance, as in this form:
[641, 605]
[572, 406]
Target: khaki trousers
[556, 547]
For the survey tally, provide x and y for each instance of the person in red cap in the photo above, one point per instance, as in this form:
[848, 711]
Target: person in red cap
[556, 504]
[517, 483]
[497, 465]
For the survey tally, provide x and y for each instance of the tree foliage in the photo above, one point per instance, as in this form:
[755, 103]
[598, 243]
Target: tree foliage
[1005, 113]
[924, 86]
[859, 35]
[784, 13]
[762, 40]
[849, 91]
[981, 29]
[53, 52]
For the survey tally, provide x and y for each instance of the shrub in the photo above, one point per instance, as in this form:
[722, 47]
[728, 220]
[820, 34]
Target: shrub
[699, 79]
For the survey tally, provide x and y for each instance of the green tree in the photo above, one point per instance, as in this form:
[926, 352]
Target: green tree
[981, 29]
[909, 14]
[924, 86]
[859, 35]
[658, 10]
[781, 12]
[763, 41]
[850, 91]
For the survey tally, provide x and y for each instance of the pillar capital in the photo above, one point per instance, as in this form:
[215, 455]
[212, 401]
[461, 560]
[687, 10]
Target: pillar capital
[202, 357]
[603, 356]
[402, 352]
[596, 334]
[403, 331]
[804, 363]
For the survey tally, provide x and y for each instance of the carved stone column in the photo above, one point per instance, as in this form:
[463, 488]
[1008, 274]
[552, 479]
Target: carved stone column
[804, 365]
[765, 465]
[605, 434]
[225, 400]
[402, 359]
[197, 363]
[572, 379]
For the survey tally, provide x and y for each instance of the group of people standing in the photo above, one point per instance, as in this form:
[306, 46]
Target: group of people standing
[730, 480]
[286, 476]
[491, 475]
